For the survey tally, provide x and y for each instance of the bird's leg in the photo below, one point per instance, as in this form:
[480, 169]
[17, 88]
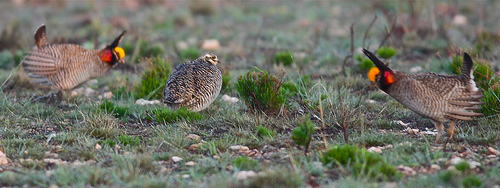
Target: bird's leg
[56, 96]
[452, 126]
[440, 129]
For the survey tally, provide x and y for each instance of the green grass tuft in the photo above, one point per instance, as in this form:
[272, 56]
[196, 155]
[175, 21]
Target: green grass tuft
[264, 132]
[112, 108]
[125, 140]
[472, 181]
[245, 163]
[154, 79]
[361, 162]
[262, 92]
[169, 115]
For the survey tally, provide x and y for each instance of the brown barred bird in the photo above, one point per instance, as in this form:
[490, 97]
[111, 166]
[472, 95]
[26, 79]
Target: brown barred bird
[434, 96]
[194, 84]
[65, 66]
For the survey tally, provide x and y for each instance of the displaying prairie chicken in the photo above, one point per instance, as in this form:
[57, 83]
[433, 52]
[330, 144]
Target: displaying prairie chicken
[65, 66]
[194, 84]
[434, 96]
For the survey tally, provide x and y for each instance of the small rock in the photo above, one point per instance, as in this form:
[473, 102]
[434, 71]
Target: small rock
[406, 170]
[53, 186]
[77, 163]
[493, 151]
[239, 147]
[107, 95]
[185, 176]
[375, 149]
[474, 164]
[176, 159]
[182, 45]
[452, 168]
[117, 146]
[229, 99]
[459, 19]
[3, 159]
[401, 123]
[55, 161]
[194, 137]
[210, 45]
[243, 175]
[416, 69]
[48, 154]
[89, 91]
[435, 167]
[455, 160]
[146, 102]
[190, 163]
[97, 147]
[371, 101]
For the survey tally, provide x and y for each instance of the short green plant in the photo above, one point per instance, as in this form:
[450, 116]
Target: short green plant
[169, 115]
[302, 135]
[109, 142]
[463, 167]
[112, 108]
[361, 162]
[262, 92]
[264, 132]
[245, 163]
[125, 140]
[472, 181]
[189, 54]
[285, 58]
[146, 49]
[491, 101]
[153, 79]
[386, 52]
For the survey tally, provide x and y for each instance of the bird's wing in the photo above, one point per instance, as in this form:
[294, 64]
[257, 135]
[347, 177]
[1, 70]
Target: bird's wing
[179, 87]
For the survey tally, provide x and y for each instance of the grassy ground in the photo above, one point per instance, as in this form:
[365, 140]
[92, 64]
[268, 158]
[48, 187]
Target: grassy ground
[79, 142]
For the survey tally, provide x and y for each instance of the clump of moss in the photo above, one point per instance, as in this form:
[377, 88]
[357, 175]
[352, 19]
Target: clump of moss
[361, 162]
[112, 108]
[262, 92]
[285, 58]
[169, 115]
[153, 79]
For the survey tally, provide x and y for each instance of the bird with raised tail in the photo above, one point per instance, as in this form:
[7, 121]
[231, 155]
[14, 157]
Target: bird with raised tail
[194, 84]
[440, 98]
[65, 66]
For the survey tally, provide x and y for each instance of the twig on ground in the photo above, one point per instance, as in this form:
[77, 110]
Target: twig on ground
[352, 51]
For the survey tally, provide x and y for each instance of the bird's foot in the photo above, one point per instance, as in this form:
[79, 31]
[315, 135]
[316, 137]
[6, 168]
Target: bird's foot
[50, 98]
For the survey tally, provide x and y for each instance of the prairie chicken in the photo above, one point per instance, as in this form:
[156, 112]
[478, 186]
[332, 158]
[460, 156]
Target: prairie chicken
[434, 96]
[194, 84]
[65, 66]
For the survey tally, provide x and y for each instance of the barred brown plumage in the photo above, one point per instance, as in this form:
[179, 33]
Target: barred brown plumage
[434, 96]
[194, 84]
[65, 66]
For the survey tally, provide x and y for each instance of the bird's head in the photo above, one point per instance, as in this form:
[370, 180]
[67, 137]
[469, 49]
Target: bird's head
[382, 75]
[210, 57]
[112, 53]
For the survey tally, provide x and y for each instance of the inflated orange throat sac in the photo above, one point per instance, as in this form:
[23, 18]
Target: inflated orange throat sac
[388, 78]
[106, 56]
[374, 71]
